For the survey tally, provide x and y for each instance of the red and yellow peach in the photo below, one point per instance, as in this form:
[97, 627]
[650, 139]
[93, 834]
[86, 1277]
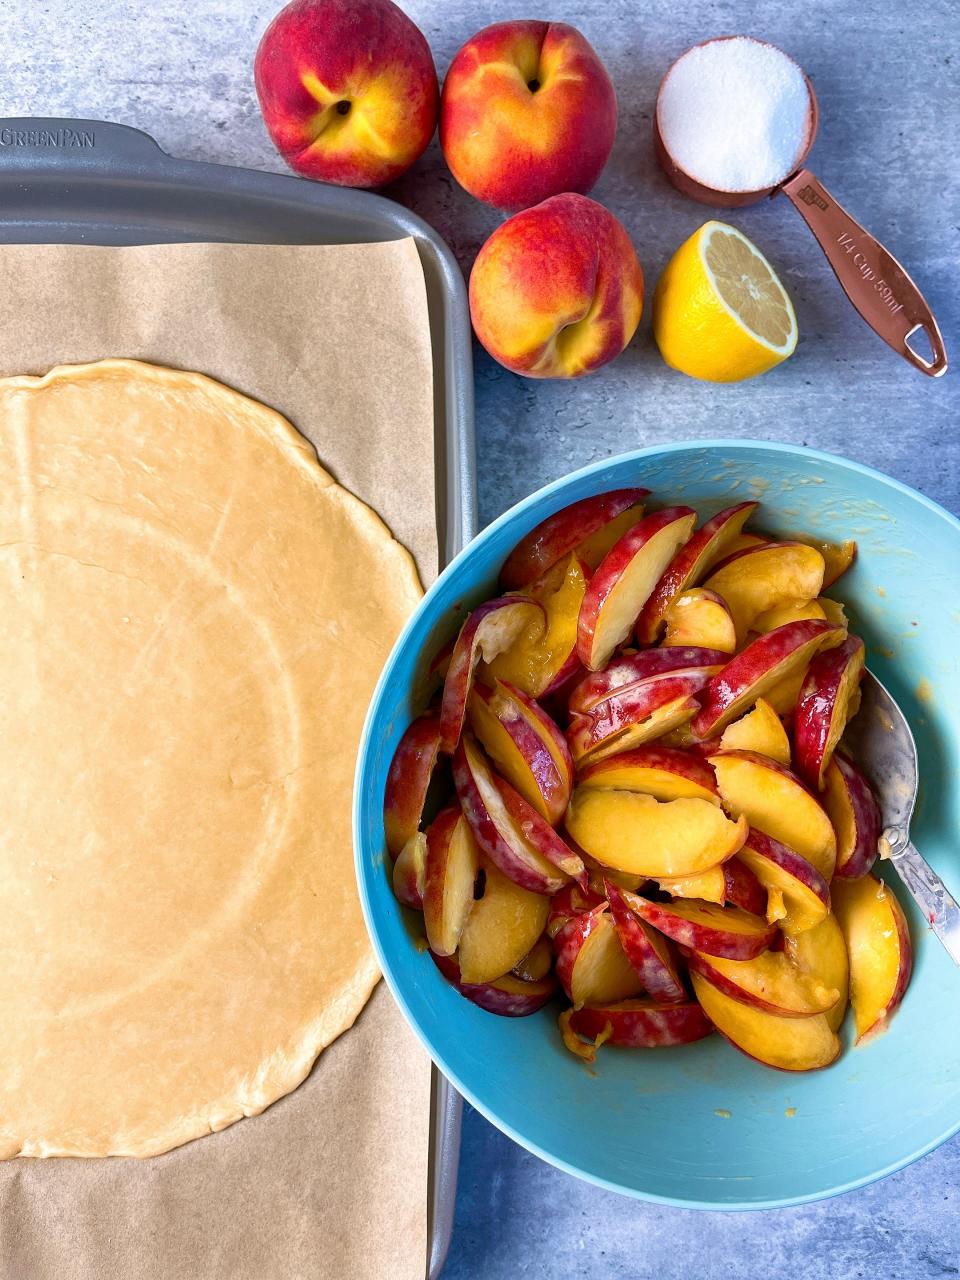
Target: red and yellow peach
[348, 90]
[557, 290]
[527, 111]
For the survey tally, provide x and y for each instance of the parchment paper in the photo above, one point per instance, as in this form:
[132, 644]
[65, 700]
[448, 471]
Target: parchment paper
[332, 1180]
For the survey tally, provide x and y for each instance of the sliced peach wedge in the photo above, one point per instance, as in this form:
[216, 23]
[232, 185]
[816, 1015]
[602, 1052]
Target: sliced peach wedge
[665, 773]
[837, 557]
[770, 981]
[798, 896]
[543, 868]
[624, 579]
[765, 576]
[703, 926]
[690, 564]
[757, 668]
[591, 964]
[878, 944]
[630, 670]
[646, 948]
[825, 705]
[742, 542]
[490, 629]
[525, 744]
[503, 926]
[509, 996]
[543, 656]
[790, 1044]
[572, 900]
[731, 882]
[852, 808]
[822, 952]
[760, 730]
[537, 963]
[634, 1024]
[409, 872]
[773, 799]
[699, 617]
[633, 832]
[792, 611]
[563, 532]
[452, 863]
[639, 714]
[408, 780]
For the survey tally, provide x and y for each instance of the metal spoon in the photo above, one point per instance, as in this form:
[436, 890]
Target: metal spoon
[882, 743]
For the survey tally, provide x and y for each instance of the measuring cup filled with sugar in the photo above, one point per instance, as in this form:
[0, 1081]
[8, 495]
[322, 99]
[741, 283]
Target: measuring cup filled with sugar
[735, 121]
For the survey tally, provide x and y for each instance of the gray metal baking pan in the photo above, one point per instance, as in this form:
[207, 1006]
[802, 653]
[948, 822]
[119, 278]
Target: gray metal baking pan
[91, 182]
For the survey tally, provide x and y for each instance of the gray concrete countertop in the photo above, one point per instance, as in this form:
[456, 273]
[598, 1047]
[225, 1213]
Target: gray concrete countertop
[887, 76]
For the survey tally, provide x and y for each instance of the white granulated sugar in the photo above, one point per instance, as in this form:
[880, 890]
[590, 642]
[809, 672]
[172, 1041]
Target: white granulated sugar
[734, 114]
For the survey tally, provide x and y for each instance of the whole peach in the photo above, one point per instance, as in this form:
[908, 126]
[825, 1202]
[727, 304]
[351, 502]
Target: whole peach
[557, 290]
[348, 90]
[527, 111]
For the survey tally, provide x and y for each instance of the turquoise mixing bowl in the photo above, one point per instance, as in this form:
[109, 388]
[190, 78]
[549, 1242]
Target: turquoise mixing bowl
[702, 1126]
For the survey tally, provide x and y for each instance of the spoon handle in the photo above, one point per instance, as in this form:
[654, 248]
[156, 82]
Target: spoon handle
[931, 895]
[869, 274]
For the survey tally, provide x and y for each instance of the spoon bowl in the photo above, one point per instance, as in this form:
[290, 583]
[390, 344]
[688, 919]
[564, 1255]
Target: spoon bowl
[882, 742]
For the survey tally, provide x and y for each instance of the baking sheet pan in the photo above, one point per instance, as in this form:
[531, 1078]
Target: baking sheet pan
[93, 182]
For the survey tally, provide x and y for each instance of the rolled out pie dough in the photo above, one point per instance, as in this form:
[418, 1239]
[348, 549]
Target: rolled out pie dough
[192, 618]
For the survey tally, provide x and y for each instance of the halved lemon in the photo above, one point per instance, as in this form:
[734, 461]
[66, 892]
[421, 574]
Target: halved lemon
[719, 311]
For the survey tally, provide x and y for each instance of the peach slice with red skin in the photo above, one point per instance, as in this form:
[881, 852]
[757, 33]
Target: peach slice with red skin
[699, 617]
[647, 949]
[490, 629]
[756, 669]
[450, 873]
[775, 800]
[742, 888]
[539, 834]
[821, 951]
[409, 872]
[542, 656]
[732, 882]
[525, 744]
[537, 963]
[509, 996]
[689, 565]
[593, 549]
[764, 576]
[572, 900]
[852, 808]
[665, 773]
[824, 707]
[878, 944]
[637, 715]
[789, 1044]
[635, 833]
[624, 580]
[502, 927]
[591, 965]
[760, 730]
[770, 981]
[408, 780]
[630, 670]
[728, 932]
[495, 830]
[638, 1024]
[798, 896]
[562, 533]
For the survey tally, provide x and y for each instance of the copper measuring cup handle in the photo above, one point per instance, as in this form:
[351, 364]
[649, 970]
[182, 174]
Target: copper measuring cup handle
[869, 275]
